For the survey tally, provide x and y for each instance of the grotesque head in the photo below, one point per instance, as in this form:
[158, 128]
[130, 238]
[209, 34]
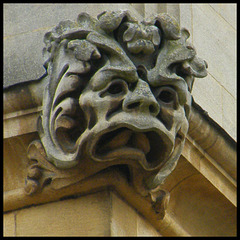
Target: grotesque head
[118, 95]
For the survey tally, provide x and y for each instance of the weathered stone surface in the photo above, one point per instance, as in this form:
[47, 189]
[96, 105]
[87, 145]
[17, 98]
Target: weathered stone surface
[44, 16]
[85, 216]
[118, 94]
[9, 225]
[24, 28]
[223, 35]
[229, 110]
[228, 12]
[127, 222]
[206, 170]
[215, 32]
[210, 98]
[22, 62]
[203, 209]
[97, 214]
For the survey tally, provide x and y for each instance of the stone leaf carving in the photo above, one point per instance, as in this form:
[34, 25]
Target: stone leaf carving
[118, 95]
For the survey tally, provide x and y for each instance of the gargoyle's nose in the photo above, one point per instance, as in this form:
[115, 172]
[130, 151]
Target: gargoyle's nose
[141, 99]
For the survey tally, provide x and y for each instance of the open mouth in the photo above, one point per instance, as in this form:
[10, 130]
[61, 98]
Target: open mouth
[123, 143]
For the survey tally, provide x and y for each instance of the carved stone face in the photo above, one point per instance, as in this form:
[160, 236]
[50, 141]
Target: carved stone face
[130, 122]
[121, 105]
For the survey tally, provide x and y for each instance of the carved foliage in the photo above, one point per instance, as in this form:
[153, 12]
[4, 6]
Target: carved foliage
[118, 95]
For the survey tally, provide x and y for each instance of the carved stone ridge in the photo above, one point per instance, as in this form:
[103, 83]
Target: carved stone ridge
[118, 95]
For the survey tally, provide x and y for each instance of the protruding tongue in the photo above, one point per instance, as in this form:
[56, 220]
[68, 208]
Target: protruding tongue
[119, 140]
[140, 141]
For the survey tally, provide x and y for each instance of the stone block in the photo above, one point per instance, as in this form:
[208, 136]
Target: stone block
[229, 114]
[9, 224]
[18, 16]
[207, 93]
[196, 197]
[23, 59]
[24, 29]
[145, 229]
[15, 162]
[98, 214]
[124, 218]
[215, 41]
[139, 8]
[227, 11]
[185, 12]
[151, 9]
[126, 221]
[173, 10]
[84, 216]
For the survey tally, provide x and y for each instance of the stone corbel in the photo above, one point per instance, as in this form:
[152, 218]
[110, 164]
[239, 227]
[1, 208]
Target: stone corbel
[117, 97]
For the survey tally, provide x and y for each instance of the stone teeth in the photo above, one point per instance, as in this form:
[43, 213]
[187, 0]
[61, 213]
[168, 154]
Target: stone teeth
[127, 138]
[141, 142]
[121, 139]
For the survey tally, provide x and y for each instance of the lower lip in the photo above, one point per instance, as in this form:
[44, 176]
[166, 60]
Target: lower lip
[122, 147]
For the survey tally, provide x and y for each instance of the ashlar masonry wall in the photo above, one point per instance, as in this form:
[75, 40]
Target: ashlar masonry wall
[213, 33]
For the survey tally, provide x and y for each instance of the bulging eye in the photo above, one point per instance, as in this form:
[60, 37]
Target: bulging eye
[167, 95]
[115, 88]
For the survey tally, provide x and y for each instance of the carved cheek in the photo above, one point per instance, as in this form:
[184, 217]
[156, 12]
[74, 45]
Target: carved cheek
[174, 120]
[172, 112]
[181, 124]
[99, 105]
[92, 107]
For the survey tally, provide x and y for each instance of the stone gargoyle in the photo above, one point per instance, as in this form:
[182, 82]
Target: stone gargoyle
[118, 94]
